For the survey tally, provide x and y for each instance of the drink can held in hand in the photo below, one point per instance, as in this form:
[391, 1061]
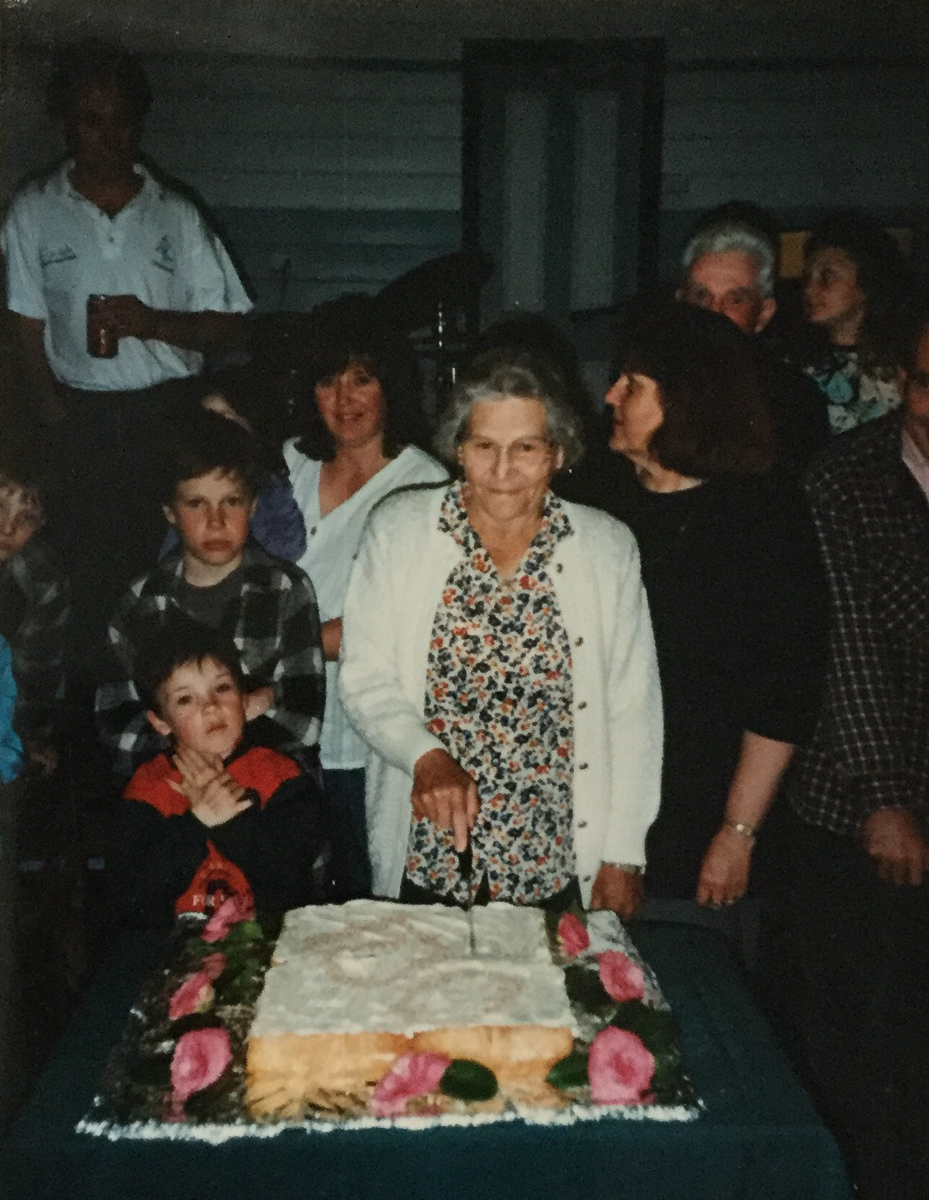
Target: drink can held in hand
[102, 342]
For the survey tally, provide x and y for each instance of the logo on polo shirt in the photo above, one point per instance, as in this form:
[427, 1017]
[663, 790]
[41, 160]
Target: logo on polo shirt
[50, 255]
[164, 256]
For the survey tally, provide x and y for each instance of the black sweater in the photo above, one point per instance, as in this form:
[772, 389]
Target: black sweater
[735, 595]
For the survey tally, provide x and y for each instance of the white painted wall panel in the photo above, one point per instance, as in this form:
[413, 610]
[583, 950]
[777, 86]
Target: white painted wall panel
[262, 134]
[525, 187]
[592, 253]
[797, 136]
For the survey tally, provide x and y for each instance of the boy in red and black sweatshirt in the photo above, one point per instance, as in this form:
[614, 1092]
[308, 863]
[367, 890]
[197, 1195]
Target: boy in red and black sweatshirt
[215, 816]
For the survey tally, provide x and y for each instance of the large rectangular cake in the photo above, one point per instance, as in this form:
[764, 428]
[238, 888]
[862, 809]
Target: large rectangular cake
[353, 987]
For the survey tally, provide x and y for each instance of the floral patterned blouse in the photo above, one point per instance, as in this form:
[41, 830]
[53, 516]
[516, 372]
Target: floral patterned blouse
[499, 696]
[854, 395]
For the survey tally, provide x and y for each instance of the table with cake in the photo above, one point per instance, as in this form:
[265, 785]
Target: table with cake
[374, 1049]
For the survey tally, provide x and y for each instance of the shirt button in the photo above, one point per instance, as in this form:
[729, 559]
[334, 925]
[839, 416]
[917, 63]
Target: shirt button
[583, 704]
[582, 824]
[313, 531]
[582, 766]
[587, 879]
[559, 567]
[579, 641]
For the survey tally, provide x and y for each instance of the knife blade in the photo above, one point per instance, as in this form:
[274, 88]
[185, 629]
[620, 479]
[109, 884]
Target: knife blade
[466, 866]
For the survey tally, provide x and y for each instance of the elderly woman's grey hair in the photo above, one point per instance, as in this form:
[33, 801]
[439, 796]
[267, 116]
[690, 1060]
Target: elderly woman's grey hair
[500, 374]
[735, 235]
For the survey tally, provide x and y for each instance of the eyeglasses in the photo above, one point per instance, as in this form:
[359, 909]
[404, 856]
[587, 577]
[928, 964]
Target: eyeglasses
[526, 452]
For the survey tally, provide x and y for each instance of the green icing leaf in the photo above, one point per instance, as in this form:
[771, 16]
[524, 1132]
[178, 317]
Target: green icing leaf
[204, 1104]
[659, 1032]
[242, 931]
[584, 988]
[570, 1072]
[465, 1079]
[150, 1071]
[655, 1026]
[239, 985]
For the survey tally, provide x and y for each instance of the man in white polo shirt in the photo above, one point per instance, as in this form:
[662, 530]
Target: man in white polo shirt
[100, 224]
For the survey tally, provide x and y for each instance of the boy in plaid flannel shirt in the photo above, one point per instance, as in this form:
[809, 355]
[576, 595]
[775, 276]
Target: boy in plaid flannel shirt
[265, 606]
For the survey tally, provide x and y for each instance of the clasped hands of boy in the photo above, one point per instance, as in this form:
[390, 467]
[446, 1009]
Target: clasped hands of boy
[213, 795]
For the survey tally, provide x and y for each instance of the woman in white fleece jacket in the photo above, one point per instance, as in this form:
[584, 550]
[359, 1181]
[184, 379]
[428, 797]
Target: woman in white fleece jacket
[497, 656]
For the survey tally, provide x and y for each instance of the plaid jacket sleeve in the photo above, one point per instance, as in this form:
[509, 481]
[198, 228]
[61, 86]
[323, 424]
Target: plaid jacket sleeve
[861, 717]
[121, 720]
[298, 673]
[38, 643]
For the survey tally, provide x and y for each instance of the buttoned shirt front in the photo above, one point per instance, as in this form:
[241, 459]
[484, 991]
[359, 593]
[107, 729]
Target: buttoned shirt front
[499, 697]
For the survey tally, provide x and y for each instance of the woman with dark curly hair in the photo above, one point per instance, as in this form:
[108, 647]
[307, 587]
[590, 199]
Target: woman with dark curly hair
[356, 446]
[854, 295]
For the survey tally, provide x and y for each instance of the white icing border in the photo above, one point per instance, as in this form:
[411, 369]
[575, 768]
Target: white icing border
[216, 1134]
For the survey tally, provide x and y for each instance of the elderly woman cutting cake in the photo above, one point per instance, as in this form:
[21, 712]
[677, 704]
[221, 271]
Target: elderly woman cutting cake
[497, 656]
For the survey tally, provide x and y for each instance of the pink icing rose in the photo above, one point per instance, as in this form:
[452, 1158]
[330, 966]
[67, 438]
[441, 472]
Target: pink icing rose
[411, 1075]
[195, 995]
[622, 979]
[573, 936]
[200, 1057]
[620, 1068]
[229, 913]
[213, 965]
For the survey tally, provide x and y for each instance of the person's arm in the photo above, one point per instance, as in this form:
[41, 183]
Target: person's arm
[619, 890]
[128, 316]
[38, 646]
[299, 676]
[278, 523]
[120, 715]
[25, 300]
[632, 713]
[332, 638]
[861, 695]
[212, 794]
[782, 611]
[280, 846]
[41, 382]
[445, 794]
[635, 716]
[897, 846]
[727, 863]
[370, 679]
[151, 861]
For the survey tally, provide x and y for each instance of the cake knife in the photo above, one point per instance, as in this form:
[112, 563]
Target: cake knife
[466, 867]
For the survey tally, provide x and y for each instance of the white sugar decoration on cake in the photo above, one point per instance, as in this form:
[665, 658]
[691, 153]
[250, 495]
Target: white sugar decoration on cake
[353, 988]
[375, 966]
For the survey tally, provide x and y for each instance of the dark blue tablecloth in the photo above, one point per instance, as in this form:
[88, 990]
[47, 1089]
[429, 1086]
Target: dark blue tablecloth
[759, 1138]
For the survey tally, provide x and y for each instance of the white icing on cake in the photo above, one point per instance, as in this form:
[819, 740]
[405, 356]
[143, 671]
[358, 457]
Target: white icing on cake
[373, 966]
